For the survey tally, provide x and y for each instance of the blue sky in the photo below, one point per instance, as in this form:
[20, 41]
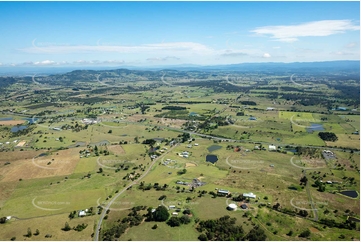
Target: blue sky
[173, 33]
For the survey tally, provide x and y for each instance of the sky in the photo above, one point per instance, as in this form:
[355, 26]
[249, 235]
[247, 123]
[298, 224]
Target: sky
[35, 34]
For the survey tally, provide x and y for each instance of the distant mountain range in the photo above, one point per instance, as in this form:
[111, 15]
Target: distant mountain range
[348, 65]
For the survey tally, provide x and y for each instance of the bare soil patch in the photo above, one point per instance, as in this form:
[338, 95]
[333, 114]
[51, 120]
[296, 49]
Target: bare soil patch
[116, 149]
[11, 122]
[21, 143]
[46, 166]
[190, 165]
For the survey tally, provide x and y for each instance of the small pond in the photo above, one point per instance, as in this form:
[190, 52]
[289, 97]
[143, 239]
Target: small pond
[211, 158]
[18, 128]
[352, 194]
[213, 148]
[103, 142]
[315, 127]
[6, 119]
[31, 120]
[77, 144]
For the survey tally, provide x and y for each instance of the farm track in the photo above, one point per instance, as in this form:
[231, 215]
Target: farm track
[96, 235]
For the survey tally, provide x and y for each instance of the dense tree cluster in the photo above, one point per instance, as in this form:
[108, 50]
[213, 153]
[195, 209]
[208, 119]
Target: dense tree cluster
[177, 221]
[133, 219]
[251, 103]
[160, 214]
[173, 108]
[222, 229]
[327, 136]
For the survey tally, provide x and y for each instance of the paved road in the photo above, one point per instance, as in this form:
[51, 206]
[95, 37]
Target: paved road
[97, 231]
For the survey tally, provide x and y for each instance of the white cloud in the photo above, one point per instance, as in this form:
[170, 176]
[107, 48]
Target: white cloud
[233, 53]
[162, 59]
[291, 33]
[266, 55]
[341, 53]
[158, 47]
[276, 47]
[352, 45]
[44, 63]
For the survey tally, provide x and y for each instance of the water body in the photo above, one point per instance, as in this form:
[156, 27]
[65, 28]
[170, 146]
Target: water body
[315, 127]
[291, 150]
[352, 194]
[77, 144]
[211, 158]
[6, 119]
[18, 128]
[213, 148]
[103, 142]
[31, 120]
[193, 114]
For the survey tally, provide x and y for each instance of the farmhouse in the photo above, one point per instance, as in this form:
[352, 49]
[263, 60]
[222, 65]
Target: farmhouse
[82, 213]
[270, 109]
[172, 207]
[175, 214]
[249, 195]
[222, 192]
[272, 148]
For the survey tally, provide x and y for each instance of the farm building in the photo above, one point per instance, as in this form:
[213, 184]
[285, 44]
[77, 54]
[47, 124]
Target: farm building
[222, 192]
[175, 214]
[270, 109]
[82, 213]
[272, 148]
[171, 207]
[244, 206]
[249, 195]
[232, 207]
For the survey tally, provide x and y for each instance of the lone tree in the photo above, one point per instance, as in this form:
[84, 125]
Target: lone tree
[306, 233]
[66, 227]
[29, 234]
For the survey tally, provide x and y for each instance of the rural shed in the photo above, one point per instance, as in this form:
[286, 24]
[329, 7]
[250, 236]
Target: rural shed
[232, 207]
[223, 192]
[249, 195]
[82, 213]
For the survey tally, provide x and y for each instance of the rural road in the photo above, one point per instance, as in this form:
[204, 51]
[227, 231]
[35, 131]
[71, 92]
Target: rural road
[314, 210]
[97, 230]
[216, 137]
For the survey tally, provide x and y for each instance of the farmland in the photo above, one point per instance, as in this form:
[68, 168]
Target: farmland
[129, 138]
